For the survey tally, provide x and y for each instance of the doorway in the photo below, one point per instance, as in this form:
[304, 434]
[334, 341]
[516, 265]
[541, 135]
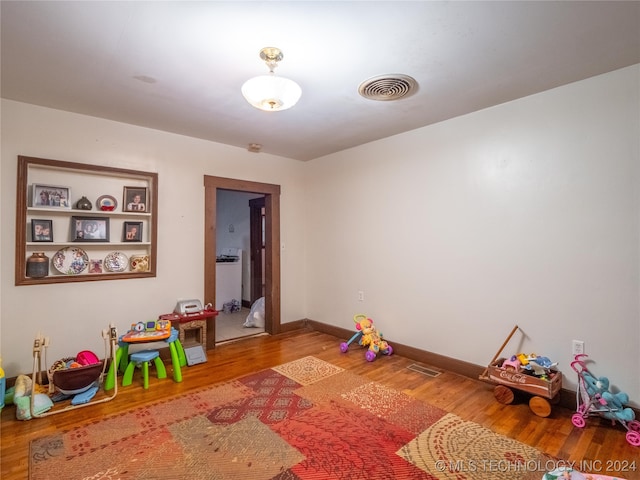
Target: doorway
[271, 246]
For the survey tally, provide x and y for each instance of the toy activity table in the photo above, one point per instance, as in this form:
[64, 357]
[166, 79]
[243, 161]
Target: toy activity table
[168, 335]
[194, 322]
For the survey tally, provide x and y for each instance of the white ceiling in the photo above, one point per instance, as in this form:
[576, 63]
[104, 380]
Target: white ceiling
[178, 66]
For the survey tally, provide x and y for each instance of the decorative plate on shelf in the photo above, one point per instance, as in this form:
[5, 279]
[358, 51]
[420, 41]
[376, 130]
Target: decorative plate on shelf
[116, 262]
[139, 263]
[106, 203]
[70, 260]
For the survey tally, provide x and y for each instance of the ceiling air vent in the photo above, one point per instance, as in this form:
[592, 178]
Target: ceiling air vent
[388, 87]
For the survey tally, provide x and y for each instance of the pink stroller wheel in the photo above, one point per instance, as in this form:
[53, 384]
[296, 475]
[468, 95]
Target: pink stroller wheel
[634, 425]
[578, 420]
[633, 438]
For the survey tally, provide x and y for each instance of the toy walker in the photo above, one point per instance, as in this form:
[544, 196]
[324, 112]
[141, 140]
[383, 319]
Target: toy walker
[367, 336]
[594, 398]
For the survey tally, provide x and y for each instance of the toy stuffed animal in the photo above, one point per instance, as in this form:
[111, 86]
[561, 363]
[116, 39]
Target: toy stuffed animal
[616, 402]
[540, 366]
[595, 386]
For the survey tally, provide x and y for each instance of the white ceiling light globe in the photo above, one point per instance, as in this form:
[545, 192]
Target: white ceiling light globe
[271, 93]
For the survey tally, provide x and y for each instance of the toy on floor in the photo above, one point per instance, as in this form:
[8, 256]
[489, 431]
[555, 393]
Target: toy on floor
[79, 377]
[531, 374]
[368, 336]
[74, 375]
[567, 473]
[23, 393]
[594, 398]
[536, 365]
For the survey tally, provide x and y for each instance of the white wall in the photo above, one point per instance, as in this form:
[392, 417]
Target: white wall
[526, 213]
[74, 314]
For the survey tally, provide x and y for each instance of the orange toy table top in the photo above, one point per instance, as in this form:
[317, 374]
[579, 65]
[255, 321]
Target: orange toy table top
[146, 336]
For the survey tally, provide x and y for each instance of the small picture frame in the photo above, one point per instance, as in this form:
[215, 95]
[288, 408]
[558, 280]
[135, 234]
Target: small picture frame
[90, 229]
[132, 232]
[50, 196]
[95, 266]
[135, 199]
[41, 230]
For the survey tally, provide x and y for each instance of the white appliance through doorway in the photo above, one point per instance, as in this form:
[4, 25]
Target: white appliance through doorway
[228, 276]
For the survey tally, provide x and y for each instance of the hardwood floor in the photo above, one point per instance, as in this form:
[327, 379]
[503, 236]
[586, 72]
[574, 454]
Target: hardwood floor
[229, 326]
[599, 444]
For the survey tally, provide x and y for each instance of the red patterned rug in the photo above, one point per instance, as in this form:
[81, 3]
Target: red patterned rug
[304, 420]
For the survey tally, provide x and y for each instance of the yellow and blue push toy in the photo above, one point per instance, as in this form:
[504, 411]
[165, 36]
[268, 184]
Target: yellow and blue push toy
[367, 336]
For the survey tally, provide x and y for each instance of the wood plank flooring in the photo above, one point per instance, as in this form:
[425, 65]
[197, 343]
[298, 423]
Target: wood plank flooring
[599, 444]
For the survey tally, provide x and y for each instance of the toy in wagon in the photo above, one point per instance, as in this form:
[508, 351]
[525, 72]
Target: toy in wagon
[368, 336]
[532, 374]
[77, 379]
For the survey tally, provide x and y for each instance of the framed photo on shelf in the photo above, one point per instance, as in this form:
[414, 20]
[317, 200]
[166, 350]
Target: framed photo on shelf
[95, 266]
[89, 229]
[41, 230]
[132, 232]
[51, 196]
[135, 199]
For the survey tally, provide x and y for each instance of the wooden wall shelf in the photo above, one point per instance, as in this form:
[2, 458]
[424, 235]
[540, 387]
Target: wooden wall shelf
[91, 181]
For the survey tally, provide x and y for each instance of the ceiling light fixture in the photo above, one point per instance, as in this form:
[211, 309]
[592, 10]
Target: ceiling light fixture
[268, 92]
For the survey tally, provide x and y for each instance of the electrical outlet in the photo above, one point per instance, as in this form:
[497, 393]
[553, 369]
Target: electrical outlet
[577, 347]
[360, 296]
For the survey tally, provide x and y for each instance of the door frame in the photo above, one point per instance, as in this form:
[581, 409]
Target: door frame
[272, 246]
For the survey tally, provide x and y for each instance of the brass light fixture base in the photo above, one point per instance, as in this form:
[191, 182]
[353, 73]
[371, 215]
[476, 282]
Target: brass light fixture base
[271, 56]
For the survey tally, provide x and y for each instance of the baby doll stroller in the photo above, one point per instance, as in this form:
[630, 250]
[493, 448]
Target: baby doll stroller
[594, 398]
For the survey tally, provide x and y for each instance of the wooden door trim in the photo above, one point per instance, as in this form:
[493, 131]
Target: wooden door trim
[272, 246]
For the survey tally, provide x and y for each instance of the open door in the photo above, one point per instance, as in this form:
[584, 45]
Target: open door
[271, 247]
[257, 222]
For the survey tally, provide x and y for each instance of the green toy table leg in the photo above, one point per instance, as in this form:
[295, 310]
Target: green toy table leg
[175, 361]
[181, 355]
[124, 356]
[112, 375]
[160, 368]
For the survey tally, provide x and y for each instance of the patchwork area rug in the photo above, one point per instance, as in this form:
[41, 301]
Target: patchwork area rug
[306, 420]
